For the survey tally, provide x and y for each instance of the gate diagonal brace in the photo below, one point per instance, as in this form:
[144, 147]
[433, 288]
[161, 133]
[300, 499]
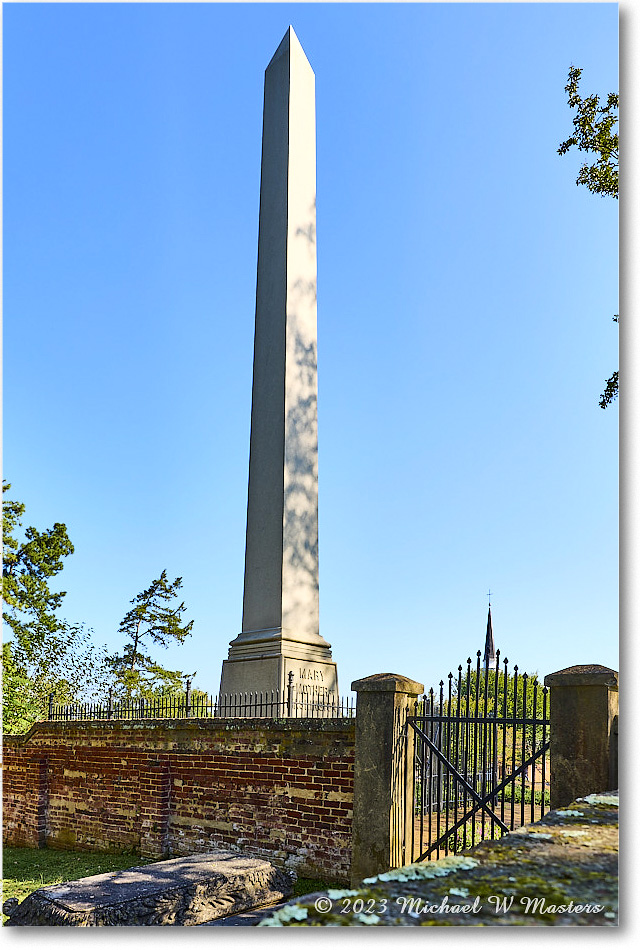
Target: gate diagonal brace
[488, 797]
[481, 803]
[524, 765]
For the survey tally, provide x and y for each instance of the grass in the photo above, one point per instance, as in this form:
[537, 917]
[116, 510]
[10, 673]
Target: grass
[26, 869]
[507, 795]
[308, 885]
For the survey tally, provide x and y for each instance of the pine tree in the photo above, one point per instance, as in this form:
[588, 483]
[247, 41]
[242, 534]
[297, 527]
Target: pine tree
[152, 620]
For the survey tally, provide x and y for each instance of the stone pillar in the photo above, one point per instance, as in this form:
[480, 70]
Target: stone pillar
[383, 774]
[584, 704]
[280, 628]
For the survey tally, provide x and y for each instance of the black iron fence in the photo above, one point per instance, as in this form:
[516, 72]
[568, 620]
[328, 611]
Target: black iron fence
[292, 702]
[480, 758]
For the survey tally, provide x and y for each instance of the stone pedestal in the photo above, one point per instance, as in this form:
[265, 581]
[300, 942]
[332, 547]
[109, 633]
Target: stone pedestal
[280, 629]
[383, 782]
[584, 709]
[263, 674]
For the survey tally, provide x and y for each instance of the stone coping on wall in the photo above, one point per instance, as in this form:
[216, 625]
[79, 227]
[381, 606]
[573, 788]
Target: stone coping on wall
[387, 683]
[207, 724]
[588, 674]
[560, 871]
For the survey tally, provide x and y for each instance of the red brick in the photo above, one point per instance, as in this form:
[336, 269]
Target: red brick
[234, 777]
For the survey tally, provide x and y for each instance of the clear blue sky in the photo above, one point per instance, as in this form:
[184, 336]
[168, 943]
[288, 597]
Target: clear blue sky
[465, 294]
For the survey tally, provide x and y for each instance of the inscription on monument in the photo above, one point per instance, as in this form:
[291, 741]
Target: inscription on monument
[307, 674]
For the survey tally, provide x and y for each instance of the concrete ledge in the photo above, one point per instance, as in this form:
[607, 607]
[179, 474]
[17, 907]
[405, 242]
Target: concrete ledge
[182, 892]
[560, 871]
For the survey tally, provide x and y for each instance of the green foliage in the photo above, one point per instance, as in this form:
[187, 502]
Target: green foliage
[26, 569]
[152, 620]
[593, 126]
[69, 669]
[593, 132]
[611, 390]
[518, 694]
[46, 655]
[199, 698]
[515, 795]
[612, 383]
[519, 697]
[308, 885]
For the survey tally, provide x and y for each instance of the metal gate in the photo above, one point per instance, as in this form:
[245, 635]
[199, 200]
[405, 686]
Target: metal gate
[480, 755]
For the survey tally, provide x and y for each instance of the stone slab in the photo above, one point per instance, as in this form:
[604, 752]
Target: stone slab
[180, 892]
[250, 918]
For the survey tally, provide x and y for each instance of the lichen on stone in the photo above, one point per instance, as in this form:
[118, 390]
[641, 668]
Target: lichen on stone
[459, 891]
[527, 878]
[601, 799]
[284, 915]
[368, 919]
[421, 872]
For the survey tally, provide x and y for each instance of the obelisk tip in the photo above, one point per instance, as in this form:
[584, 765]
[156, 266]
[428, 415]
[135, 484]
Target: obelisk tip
[290, 41]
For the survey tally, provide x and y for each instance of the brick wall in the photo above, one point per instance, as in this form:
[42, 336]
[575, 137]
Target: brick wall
[280, 789]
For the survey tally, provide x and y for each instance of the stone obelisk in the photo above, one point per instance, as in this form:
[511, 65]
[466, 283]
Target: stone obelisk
[280, 629]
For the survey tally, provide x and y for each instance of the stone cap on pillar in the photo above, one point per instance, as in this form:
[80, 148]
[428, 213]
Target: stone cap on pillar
[591, 674]
[387, 683]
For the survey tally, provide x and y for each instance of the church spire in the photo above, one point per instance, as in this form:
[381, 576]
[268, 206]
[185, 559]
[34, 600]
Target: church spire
[490, 657]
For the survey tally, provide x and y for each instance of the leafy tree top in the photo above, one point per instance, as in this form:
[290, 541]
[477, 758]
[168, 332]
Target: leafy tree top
[501, 692]
[594, 126]
[26, 570]
[593, 132]
[47, 655]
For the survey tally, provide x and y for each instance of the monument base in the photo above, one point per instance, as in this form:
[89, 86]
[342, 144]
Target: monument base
[312, 678]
